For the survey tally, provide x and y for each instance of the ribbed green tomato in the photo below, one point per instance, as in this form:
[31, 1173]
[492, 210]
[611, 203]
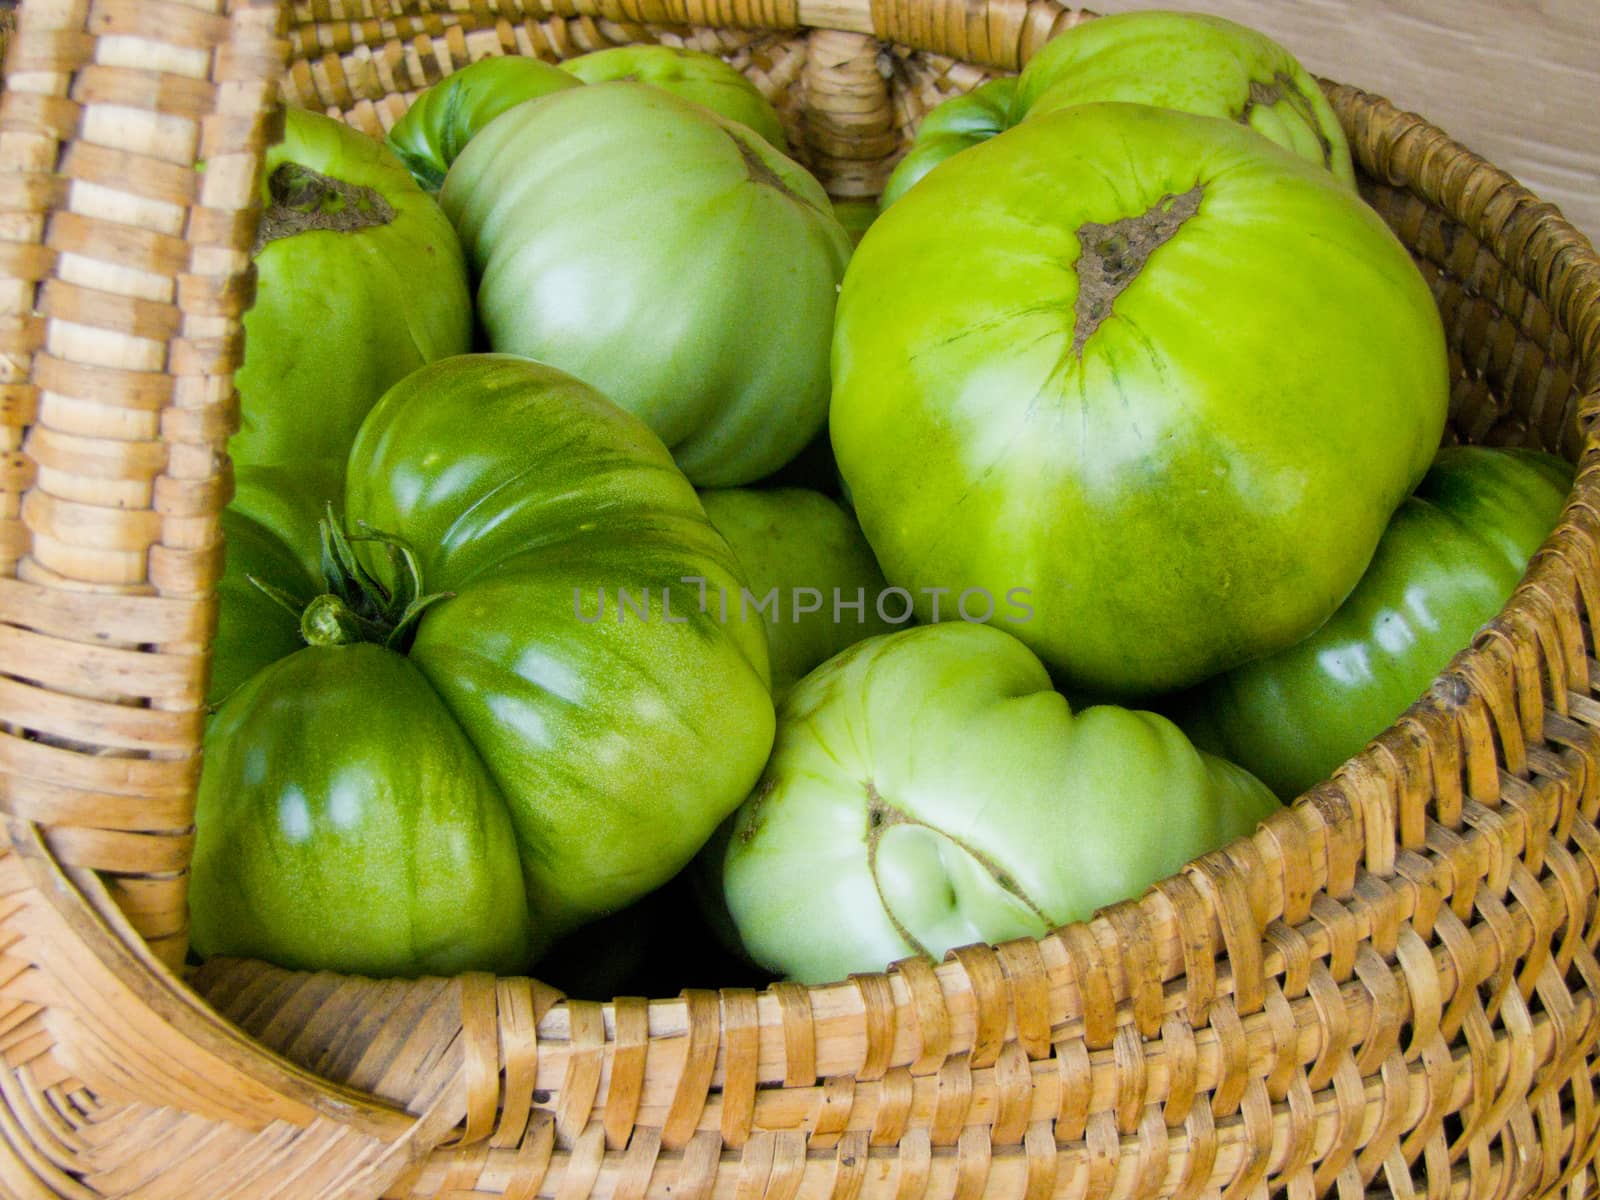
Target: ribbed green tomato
[359, 281]
[1169, 377]
[1447, 563]
[1184, 61]
[346, 822]
[692, 74]
[451, 790]
[1192, 63]
[439, 124]
[666, 255]
[806, 553]
[929, 790]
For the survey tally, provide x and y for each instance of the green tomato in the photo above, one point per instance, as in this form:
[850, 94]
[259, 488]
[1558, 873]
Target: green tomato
[1448, 562]
[692, 74]
[361, 795]
[361, 831]
[447, 116]
[929, 790]
[1192, 63]
[1184, 61]
[667, 256]
[953, 126]
[803, 550]
[359, 281]
[1165, 375]
[291, 501]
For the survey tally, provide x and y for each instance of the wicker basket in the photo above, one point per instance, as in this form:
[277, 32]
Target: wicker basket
[1393, 985]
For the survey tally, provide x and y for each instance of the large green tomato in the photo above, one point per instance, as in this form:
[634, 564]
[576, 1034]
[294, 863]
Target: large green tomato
[955, 125]
[1193, 63]
[664, 254]
[360, 280]
[437, 786]
[1184, 61]
[1170, 378]
[346, 822]
[447, 116]
[1448, 562]
[806, 554]
[929, 790]
[702, 78]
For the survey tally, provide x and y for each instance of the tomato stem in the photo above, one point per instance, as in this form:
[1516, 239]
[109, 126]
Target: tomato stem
[355, 605]
[329, 621]
[301, 200]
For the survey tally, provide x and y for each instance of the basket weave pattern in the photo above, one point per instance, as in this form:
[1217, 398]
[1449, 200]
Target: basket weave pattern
[1392, 986]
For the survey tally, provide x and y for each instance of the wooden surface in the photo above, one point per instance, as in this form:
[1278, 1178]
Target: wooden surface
[1518, 81]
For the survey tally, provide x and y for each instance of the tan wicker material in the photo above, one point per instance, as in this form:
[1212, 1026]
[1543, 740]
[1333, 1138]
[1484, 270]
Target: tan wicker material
[1392, 987]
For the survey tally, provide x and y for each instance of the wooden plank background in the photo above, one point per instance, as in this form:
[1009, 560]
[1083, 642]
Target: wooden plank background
[1518, 81]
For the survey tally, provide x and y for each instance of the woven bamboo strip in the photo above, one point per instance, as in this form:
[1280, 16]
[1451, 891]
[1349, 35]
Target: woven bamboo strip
[838, 1047]
[1296, 1038]
[8, 22]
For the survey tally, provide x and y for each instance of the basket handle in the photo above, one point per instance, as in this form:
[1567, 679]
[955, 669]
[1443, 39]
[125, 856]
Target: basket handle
[123, 276]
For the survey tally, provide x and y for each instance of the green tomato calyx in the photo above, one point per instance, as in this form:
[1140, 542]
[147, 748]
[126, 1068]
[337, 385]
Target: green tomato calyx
[301, 200]
[1112, 255]
[356, 606]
